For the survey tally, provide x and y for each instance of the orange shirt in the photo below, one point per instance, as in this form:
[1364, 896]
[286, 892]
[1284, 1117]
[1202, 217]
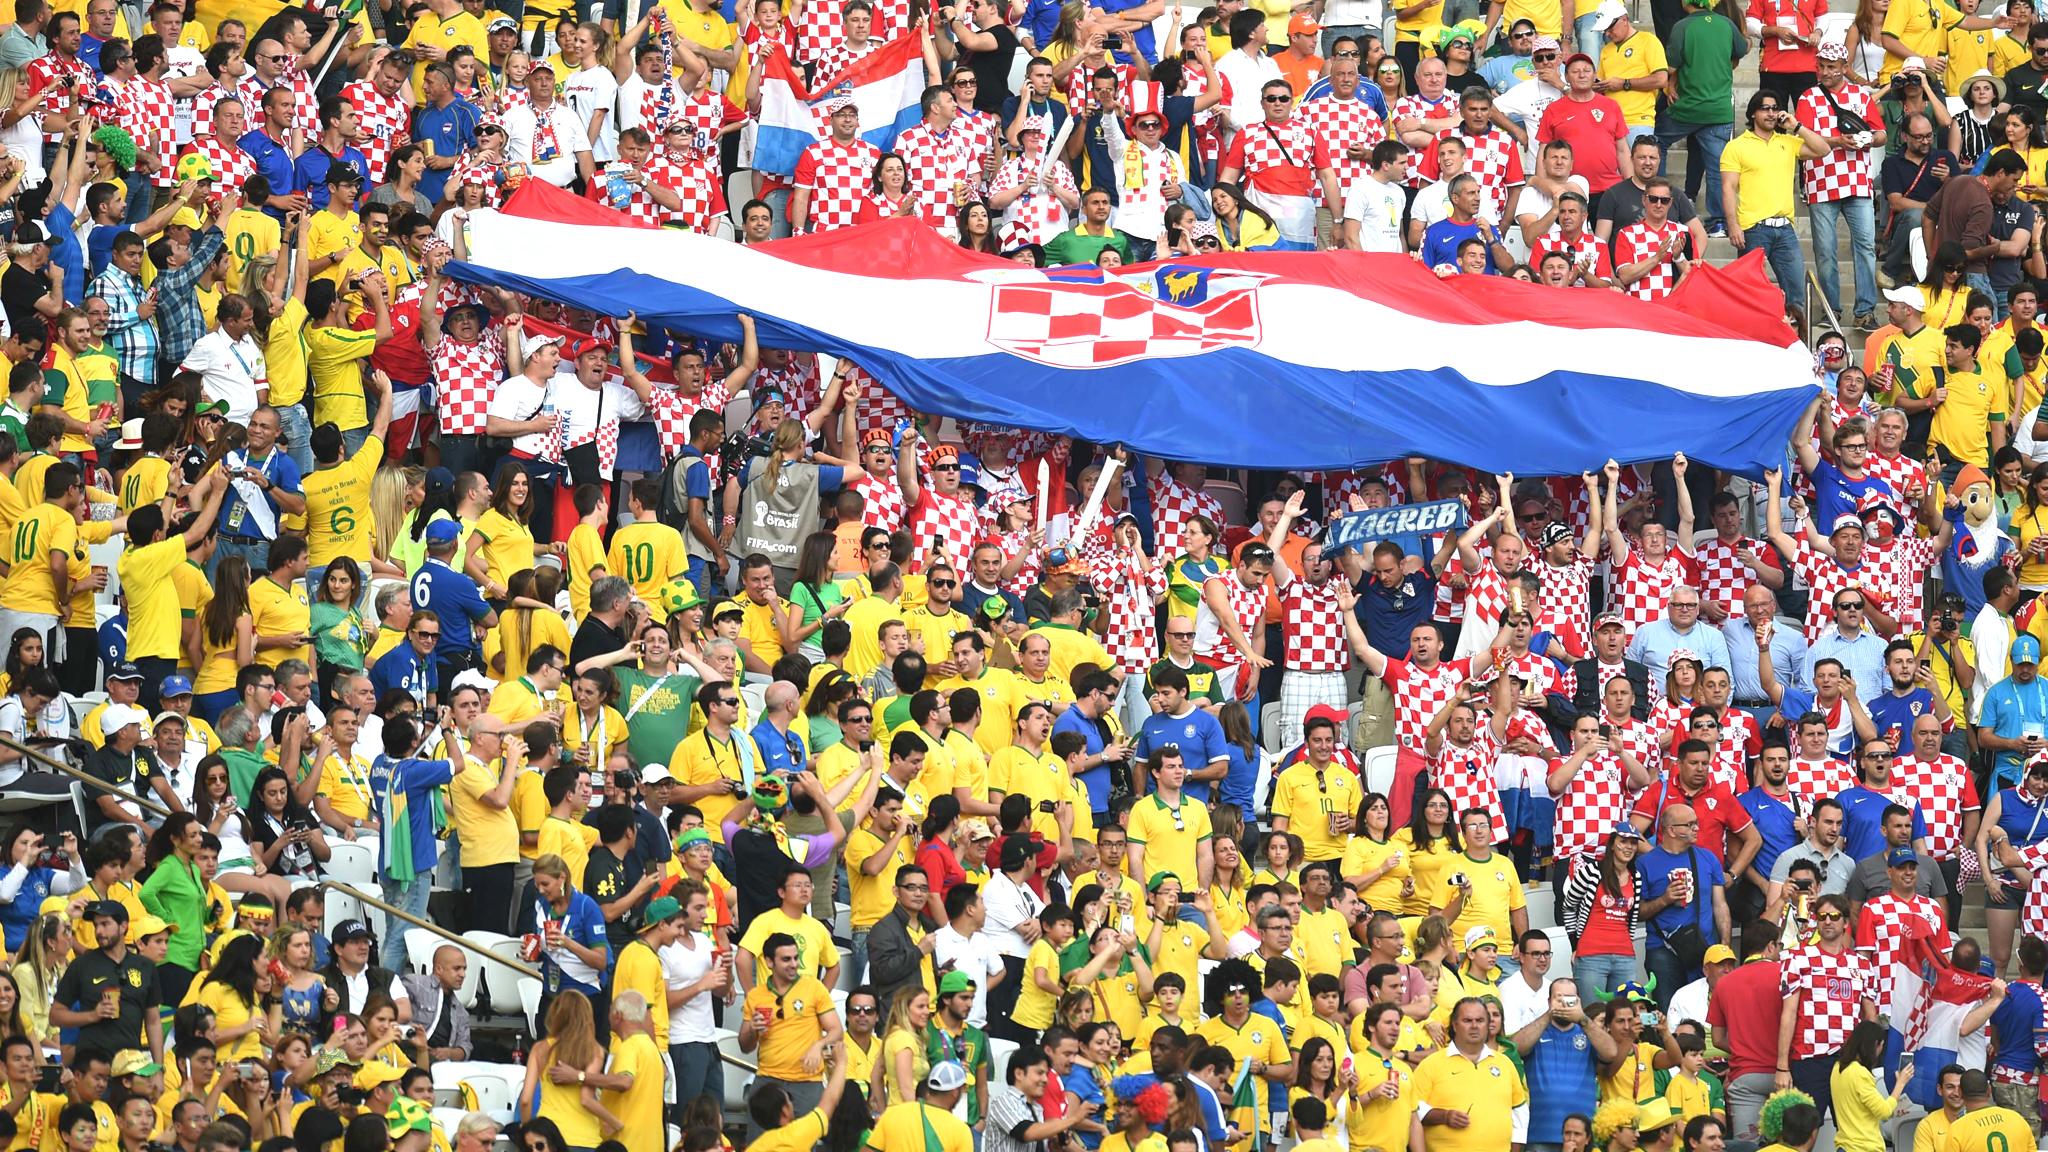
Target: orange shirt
[846, 547]
[1299, 73]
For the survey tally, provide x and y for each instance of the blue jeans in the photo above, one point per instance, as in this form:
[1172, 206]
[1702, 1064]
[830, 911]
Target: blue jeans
[1859, 213]
[352, 441]
[1669, 975]
[1709, 140]
[1780, 244]
[1981, 282]
[699, 1072]
[1599, 976]
[778, 207]
[412, 897]
[1590, 42]
[256, 552]
[297, 432]
[860, 954]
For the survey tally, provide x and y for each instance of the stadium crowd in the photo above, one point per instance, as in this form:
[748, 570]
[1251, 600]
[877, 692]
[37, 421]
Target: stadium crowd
[933, 787]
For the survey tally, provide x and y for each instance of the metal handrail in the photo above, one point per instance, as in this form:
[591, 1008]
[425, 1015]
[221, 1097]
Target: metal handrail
[44, 760]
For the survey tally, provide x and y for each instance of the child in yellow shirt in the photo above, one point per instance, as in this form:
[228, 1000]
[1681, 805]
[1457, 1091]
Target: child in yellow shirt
[1692, 1092]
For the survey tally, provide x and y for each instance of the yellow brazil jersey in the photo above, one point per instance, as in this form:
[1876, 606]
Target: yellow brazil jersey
[1035, 1005]
[1324, 940]
[816, 953]
[11, 505]
[914, 1126]
[338, 519]
[1689, 1097]
[1308, 798]
[586, 555]
[145, 482]
[84, 609]
[279, 611]
[803, 1133]
[1071, 646]
[700, 759]
[335, 357]
[1041, 776]
[330, 234]
[1365, 856]
[757, 628]
[35, 1121]
[1635, 1079]
[1960, 420]
[1117, 999]
[1258, 1039]
[794, 1024]
[517, 700]
[970, 764]
[1923, 27]
[1767, 169]
[1642, 54]
[1486, 1090]
[1910, 362]
[454, 31]
[46, 531]
[28, 477]
[249, 232]
[864, 621]
[606, 732]
[488, 835]
[1172, 837]
[1118, 1142]
[1496, 892]
[1993, 1129]
[647, 555]
[284, 354]
[874, 894]
[1000, 700]
[835, 764]
[346, 784]
[1377, 1121]
[860, 1065]
[1181, 945]
[571, 841]
[639, 970]
[505, 543]
[64, 386]
[938, 630]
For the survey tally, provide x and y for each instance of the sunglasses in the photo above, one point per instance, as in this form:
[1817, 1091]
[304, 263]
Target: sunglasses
[428, 635]
[1656, 199]
[1276, 99]
[729, 701]
[1544, 57]
[860, 719]
[945, 583]
[1828, 916]
[860, 1010]
[1206, 242]
[945, 467]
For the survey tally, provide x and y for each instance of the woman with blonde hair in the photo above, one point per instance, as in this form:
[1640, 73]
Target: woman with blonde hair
[395, 494]
[42, 960]
[766, 491]
[572, 1045]
[904, 1063]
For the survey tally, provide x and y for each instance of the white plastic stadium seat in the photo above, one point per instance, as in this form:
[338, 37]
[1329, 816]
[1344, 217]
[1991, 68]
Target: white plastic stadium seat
[1379, 768]
[420, 946]
[495, 1094]
[448, 1076]
[1269, 727]
[529, 1003]
[351, 862]
[473, 974]
[503, 981]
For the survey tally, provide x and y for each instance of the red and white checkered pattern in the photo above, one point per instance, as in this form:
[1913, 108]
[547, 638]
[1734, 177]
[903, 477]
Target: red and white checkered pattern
[145, 108]
[1036, 216]
[1172, 504]
[1669, 716]
[1641, 589]
[231, 166]
[1079, 89]
[1907, 477]
[951, 518]
[1466, 776]
[660, 103]
[1493, 158]
[1313, 627]
[1902, 567]
[1945, 790]
[305, 102]
[1592, 802]
[1835, 986]
[1030, 561]
[1566, 608]
[836, 176]
[934, 162]
[1813, 780]
[1339, 126]
[1585, 246]
[1420, 695]
[1451, 598]
[1580, 508]
[879, 407]
[1536, 671]
[1844, 173]
[1722, 576]
[202, 107]
[798, 381]
[640, 204]
[673, 409]
[1247, 604]
[464, 377]
[1825, 577]
[707, 113]
[384, 121]
[1423, 108]
[54, 77]
[1277, 159]
[1640, 241]
[820, 30]
[783, 39]
[844, 55]
[1131, 635]
[884, 496]
[1881, 937]
[1638, 740]
[1068, 329]
[982, 133]
[479, 168]
[1486, 594]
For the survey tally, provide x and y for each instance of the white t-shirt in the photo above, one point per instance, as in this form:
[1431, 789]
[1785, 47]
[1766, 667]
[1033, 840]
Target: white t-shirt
[519, 398]
[1524, 104]
[691, 1022]
[975, 955]
[1432, 203]
[230, 370]
[583, 409]
[1377, 208]
[588, 92]
[559, 140]
[1247, 75]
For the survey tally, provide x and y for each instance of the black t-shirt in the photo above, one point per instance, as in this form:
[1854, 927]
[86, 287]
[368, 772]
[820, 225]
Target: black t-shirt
[2023, 87]
[1623, 204]
[594, 637]
[129, 771]
[992, 70]
[606, 878]
[19, 291]
[2009, 219]
[82, 983]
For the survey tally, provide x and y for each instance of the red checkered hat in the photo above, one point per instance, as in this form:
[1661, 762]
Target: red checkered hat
[1145, 98]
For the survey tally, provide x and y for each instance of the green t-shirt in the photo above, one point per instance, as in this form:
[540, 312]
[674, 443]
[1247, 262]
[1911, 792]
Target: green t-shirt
[15, 422]
[661, 722]
[1071, 247]
[1702, 50]
[339, 637]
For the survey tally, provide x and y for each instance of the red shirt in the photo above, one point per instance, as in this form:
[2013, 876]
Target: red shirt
[1747, 1003]
[1715, 805]
[1591, 128]
[1607, 931]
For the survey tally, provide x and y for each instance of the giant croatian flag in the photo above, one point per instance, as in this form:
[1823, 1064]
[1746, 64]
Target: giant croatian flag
[886, 85]
[1265, 360]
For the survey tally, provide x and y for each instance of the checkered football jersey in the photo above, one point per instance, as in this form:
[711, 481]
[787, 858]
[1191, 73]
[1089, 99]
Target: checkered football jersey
[1637, 739]
[1017, 545]
[464, 377]
[1834, 986]
[1945, 790]
[1212, 643]
[1172, 504]
[1566, 608]
[231, 166]
[1902, 567]
[1825, 577]
[1486, 594]
[1451, 598]
[1721, 575]
[883, 498]
[836, 176]
[843, 55]
[1593, 800]
[1905, 475]
[1419, 695]
[383, 120]
[305, 102]
[1844, 173]
[1640, 590]
[1131, 634]
[1338, 126]
[1881, 936]
[934, 162]
[202, 107]
[1278, 160]
[54, 77]
[1421, 107]
[1640, 241]
[820, 30]
[797, 380]
[144, 109]
[1036, 216]
[1813, 780]
[1493, 158]
[879, 407]
[1313, 627]
[672, 412]
[952, 519]
[1466, 776]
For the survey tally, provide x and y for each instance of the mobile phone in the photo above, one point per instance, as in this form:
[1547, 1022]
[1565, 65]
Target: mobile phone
[249, 1070]
[1606, 730]
[49, 1078]
[1187, 897]
[1046, 806]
